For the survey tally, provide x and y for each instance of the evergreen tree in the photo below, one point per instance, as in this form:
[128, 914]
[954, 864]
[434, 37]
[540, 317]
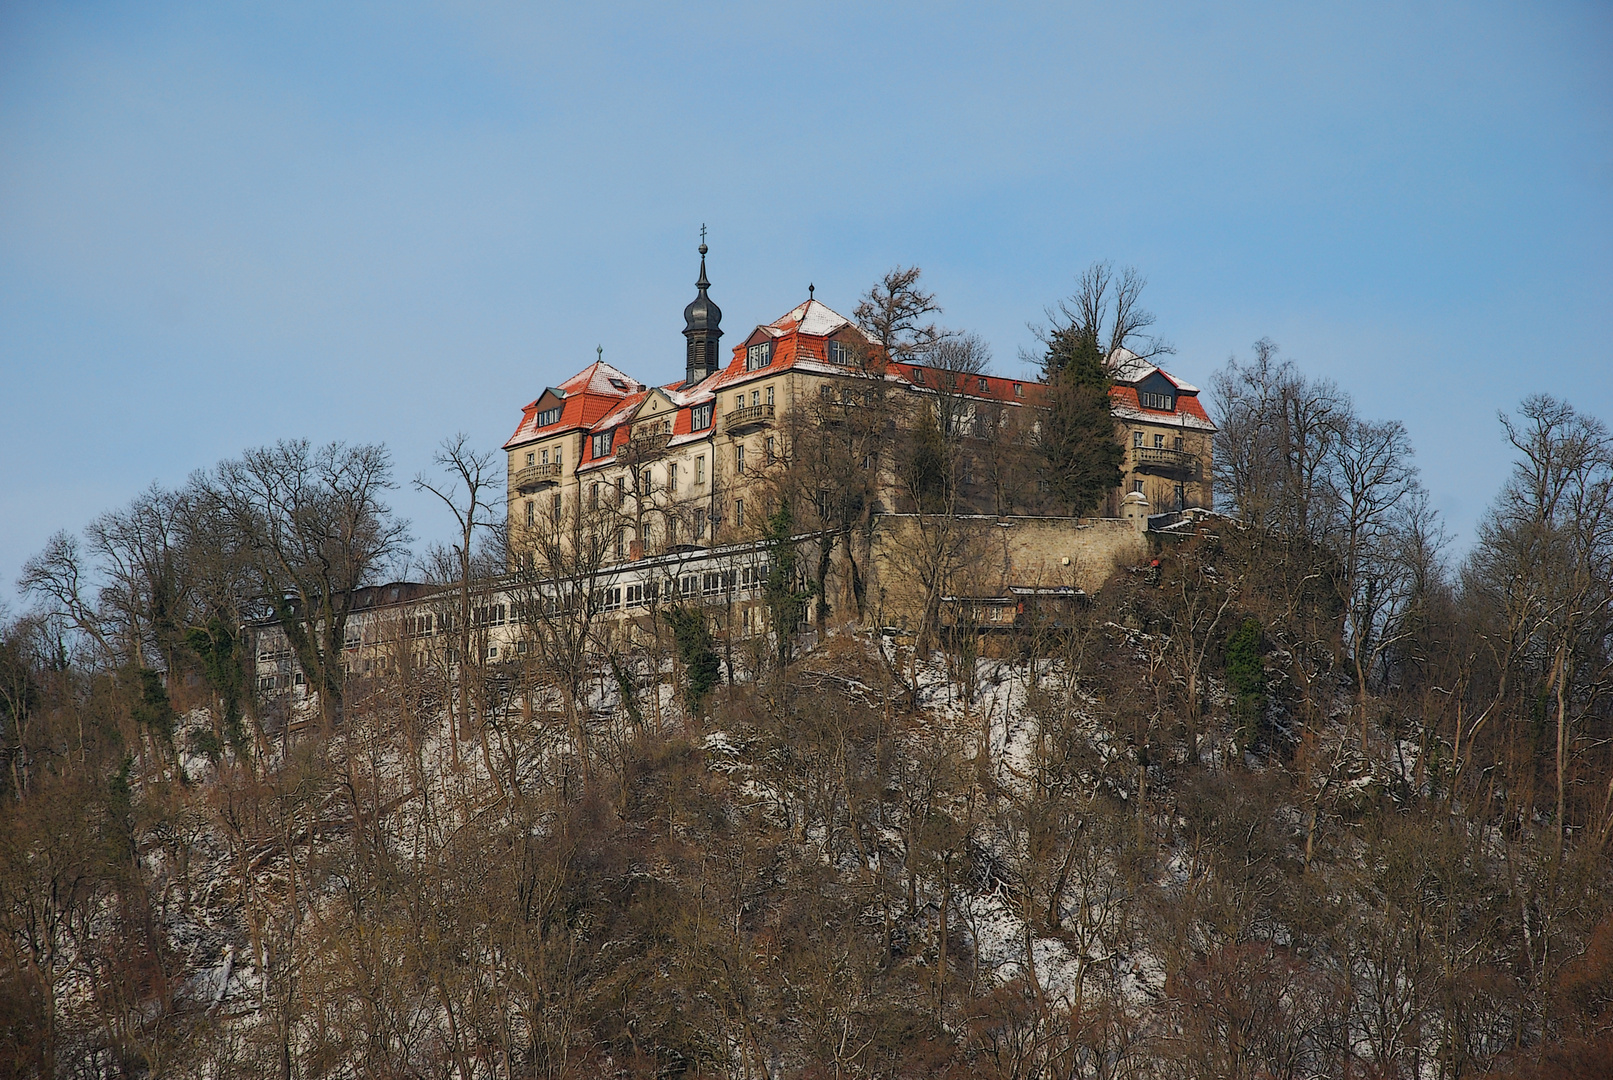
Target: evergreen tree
[1078, 442]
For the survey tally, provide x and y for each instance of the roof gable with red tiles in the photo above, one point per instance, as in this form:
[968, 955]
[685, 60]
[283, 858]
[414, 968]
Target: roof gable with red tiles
[585, 398]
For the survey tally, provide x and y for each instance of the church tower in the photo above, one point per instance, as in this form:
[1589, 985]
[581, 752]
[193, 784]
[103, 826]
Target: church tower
[702, 326]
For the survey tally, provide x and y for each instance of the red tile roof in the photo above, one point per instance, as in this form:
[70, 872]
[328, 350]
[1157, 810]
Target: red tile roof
[601, 397]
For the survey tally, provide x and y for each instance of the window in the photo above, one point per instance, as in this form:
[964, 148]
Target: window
[755, 398]
[739, 458]
[672, 476]
[1163, 402]
[1136, 438]
[1180, 497]
[621, 542]
[593, 495]
[557, 460]
[545, 457]
[826, 391]
[266, 682]
[298, 680]
[770, 451]
[739, 513]
[635, 596]
[918, 375]
[984, 385]
[699, 524]
[671, 530]
[840, 353]
[758, 355]
[700, 417]
[531, 512]
[700, 470]
[1137, 486]
[602, 443]
[621, 490]
[644, 482]
[492, 652]
[770, 395]
[1159, 441]
[739, 400]
[549, 416]
[1019, 390]
[554, 506]
[1176, 443]
[617, 384]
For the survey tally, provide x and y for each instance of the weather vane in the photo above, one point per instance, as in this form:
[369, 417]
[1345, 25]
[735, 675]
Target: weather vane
[702, 232]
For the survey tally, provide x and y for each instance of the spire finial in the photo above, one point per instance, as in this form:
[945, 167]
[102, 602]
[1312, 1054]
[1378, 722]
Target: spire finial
[810, 287]
[702, 238]
[599, 353]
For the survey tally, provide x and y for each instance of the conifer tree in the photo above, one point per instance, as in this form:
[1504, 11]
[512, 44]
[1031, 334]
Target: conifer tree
[1078, 435]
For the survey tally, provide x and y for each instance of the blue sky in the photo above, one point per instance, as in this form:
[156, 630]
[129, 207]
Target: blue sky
[221, 225]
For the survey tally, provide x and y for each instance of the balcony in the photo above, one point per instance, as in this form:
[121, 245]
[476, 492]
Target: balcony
[749, 417]
[1157, 459]
[536, 477]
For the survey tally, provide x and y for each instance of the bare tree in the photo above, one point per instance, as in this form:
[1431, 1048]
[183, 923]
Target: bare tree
[1375, 491]
[1545, 561]
[1274, 449]
[58, 577]
[1106, 310]
[471, 495]
[312, 528]
[893, 313]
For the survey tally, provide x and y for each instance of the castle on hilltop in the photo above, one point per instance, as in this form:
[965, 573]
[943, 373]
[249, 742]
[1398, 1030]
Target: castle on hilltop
[693, 464]
[902, 490]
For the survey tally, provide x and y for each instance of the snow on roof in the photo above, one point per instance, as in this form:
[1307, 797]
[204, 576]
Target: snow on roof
[600, 378]
[813, 318]
[622, 413]
[1126, 366]
[1188, 413]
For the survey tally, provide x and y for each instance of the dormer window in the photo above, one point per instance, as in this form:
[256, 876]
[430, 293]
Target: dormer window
[758, 355]
[840, 353]
[549, 416]
[1162, 402]
[602, 444]
[918, 375]
[984, 386]
[617, 384]
[700, 417]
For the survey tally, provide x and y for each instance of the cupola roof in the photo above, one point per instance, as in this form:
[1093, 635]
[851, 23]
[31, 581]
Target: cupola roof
[702, 314]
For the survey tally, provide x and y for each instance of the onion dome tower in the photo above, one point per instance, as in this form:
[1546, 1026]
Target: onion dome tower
[702, 326]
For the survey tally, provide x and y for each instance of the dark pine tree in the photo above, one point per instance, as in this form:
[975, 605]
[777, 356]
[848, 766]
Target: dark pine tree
[1078, 443]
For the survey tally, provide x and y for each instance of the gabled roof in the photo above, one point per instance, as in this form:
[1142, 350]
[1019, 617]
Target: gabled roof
[586, 397]
[1126, 366]
[1188, 413]
[600, 378]
[813, 318]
